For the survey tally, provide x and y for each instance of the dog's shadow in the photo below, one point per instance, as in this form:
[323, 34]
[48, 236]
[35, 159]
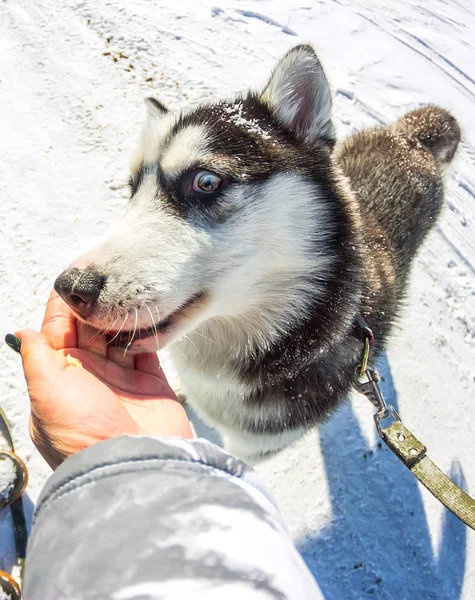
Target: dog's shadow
[378, 543]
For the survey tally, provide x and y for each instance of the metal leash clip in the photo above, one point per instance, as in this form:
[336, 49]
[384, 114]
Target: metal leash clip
[370, 388]
[11, 497]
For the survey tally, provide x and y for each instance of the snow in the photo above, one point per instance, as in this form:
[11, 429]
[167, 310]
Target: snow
[72, 79]
[235, 112]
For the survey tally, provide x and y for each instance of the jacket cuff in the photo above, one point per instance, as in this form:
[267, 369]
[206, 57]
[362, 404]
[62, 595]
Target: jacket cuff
[137, 452]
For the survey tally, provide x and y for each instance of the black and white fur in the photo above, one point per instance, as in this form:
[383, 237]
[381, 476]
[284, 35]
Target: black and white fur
[255, 288]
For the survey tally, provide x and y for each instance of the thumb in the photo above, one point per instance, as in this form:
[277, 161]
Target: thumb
[37, 354]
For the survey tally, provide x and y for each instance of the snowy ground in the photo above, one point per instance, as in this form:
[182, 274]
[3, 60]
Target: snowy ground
[72, 78]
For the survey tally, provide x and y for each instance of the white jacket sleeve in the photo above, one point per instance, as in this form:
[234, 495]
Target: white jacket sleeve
[160, 518]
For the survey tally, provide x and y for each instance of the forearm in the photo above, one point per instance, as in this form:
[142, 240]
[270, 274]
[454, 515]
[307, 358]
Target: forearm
[160, 518]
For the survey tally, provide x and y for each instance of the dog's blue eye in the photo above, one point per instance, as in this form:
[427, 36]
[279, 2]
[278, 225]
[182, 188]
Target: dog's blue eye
[206, 182]
[201, 188]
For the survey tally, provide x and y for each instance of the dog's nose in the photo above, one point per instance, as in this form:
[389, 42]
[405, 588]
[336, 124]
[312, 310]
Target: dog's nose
[80, 288]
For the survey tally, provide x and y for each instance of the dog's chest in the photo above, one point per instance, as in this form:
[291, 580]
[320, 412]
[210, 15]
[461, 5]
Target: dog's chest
[207, 385]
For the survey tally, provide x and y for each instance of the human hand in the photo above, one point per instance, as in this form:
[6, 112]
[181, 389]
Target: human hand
[73, 407]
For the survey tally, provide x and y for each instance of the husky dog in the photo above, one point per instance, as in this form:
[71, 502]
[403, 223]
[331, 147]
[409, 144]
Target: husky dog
[252, 242]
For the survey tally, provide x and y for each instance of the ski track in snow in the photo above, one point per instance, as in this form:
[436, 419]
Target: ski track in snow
[72, 79]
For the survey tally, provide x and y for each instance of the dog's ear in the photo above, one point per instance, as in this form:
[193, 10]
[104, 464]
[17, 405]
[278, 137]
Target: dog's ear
[299, 96]
[154, 108]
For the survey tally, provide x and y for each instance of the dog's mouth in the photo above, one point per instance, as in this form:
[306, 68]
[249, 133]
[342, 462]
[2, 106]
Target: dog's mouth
[125, 338]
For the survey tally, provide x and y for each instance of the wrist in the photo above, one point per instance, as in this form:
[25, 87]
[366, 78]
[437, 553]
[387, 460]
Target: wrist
[164, 418]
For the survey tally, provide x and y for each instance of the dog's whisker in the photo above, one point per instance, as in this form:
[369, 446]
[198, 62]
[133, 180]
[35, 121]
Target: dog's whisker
[142, 305]
[136, 323]
[96, 334]
[112, 325]
[109, 312]
[154, 328]
[194, 345]
[158, 321]
[131, 339]
[120, 329]
[185, 357]
[143, 302]
[204, 336]
[99, 332]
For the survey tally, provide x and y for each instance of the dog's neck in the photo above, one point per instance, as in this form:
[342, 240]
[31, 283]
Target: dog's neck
[276, 337]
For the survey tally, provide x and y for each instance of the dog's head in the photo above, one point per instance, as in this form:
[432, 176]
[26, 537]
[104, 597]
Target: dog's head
[231, 215]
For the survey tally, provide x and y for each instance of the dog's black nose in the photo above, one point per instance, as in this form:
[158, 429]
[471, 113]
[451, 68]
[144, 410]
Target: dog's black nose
[80, 288]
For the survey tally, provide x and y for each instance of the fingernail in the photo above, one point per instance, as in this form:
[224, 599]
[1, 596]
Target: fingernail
[13, 341]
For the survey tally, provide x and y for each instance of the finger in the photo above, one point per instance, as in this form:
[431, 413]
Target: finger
[59, 323]
[117, 355]
[91, 339]
[40, 359]
[149, 363]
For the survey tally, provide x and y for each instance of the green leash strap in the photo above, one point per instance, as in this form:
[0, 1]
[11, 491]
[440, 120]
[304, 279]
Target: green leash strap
[412, 453]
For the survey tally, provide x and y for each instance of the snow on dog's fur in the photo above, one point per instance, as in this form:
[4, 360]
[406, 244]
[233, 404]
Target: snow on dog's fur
[251, 243]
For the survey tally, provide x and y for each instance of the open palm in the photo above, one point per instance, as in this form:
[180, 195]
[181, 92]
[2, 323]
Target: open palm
[73, 406]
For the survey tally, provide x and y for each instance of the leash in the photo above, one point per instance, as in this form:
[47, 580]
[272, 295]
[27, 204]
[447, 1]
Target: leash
[11, 496]
[404, 444]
